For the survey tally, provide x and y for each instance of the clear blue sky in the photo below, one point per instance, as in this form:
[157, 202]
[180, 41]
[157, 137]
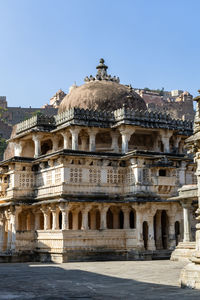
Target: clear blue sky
[48, 44]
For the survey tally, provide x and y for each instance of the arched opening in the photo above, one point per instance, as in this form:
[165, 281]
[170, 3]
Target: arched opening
[121, 219]
[145, 232]
[103, 141]
[140, 141]
[41, 221]
[98, 219]
[164, 229]
[70, 219]
[51, 220]
[177, 231]
[109, 219]
[132, 218]
[83, 140]
[79, 220]
[19, 222]
[46, 146]
[28, 149]
[60, 220]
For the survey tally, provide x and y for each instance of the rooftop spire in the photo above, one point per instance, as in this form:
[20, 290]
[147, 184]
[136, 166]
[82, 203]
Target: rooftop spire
[102, 73]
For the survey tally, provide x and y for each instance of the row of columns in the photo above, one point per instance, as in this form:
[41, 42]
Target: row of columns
[73, 132]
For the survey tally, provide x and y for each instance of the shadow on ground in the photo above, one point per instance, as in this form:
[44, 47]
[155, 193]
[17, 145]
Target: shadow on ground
[36, 281]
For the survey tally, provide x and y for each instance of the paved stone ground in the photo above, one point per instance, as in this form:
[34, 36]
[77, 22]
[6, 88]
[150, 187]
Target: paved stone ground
[94, 280]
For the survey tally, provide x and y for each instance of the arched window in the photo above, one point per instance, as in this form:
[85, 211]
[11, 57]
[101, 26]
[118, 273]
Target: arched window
[109, 218]
[60, 220]
[121, 219]
[70, 220]
[132, 219]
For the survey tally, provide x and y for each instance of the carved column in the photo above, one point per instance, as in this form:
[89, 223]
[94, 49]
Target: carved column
[126, 134]
[37, 142]
[64, 208]
[186, 221]
[151, 240]
[126, 212]
[66, 136]
[2, 230]
[165, 137]
[74, 133]
[139, 227]
[45, 212]
[115, 144]
[55, 224]
[172, 238]
[103, 217]
[18, 146]
[55, 141]
[92, 139]
[84, 225]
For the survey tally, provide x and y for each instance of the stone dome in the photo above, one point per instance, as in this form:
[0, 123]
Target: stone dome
[102, 92]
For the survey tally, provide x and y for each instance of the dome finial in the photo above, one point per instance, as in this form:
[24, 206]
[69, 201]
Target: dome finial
[101, 68]
[102, 73]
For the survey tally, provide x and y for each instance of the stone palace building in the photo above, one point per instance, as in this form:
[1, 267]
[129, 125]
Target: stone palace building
[96, 179]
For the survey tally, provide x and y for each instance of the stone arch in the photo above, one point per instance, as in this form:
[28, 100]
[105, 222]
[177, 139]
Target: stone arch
[164, 229]
[121, 219]
[50, 220]
[83, 140]
[109, 219]
[103, 141]
[46, 146]
[132, 218]
[28, 149]
[41, 221]
[177, 231]
[60, 220]
[79, 220]
[145, 233]
[70, 216]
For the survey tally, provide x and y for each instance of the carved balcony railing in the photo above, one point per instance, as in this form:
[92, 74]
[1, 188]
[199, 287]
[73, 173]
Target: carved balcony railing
[39, 121]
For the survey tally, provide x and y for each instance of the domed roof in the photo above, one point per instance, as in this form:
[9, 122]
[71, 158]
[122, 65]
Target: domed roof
[102, 93]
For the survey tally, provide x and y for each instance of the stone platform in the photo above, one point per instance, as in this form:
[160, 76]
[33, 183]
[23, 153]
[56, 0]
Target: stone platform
[183, 251]
[132, 280]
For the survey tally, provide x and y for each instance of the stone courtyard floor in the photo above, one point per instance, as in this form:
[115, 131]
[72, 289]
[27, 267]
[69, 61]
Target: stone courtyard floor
[94, 280]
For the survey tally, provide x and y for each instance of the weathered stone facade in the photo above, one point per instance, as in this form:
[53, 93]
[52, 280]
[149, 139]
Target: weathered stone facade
[95, 183]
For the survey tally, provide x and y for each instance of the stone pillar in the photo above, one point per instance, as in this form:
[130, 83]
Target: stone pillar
[45, 212]
[55, 219]
[74, 133]
[2, 231]
[126, 212]
[172, 238]
[151, 240]
[55, 141]
[84, 225]
[115, 144]
[186, 222]
[104, 210]
[92, 139]
[64, 208]
[18, 146]
[139, 222]
[65, 140]
[37, 142]
[15, 211]
[165, 137]
[126, 134]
